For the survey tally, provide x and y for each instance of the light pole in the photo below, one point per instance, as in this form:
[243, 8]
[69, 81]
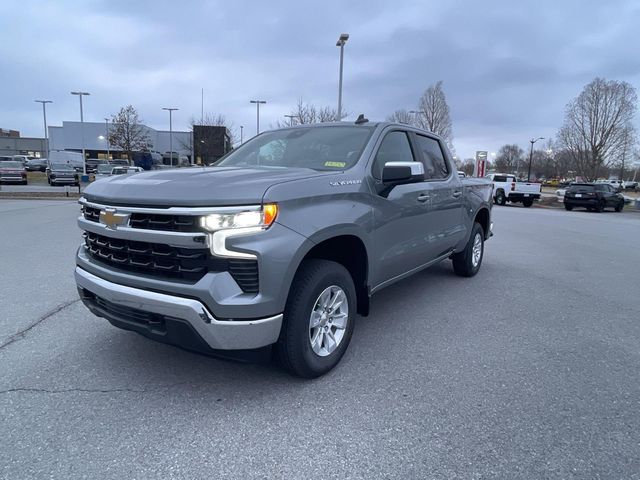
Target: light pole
[171, 110]
[241, 129]
[291, 117]
[44, 115]
[533, 140]
[257, 102]
[340, 43]
[106, 124]
[84, 158]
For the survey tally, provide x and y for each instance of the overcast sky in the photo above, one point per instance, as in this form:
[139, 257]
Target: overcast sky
[509, 67]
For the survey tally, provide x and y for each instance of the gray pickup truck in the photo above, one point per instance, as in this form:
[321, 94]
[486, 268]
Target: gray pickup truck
[281, 243]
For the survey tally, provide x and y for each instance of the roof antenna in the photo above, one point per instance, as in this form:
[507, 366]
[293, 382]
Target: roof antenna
[361, 119]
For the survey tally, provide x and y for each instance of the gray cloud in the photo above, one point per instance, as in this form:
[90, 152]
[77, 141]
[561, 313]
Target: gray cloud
[508, 67]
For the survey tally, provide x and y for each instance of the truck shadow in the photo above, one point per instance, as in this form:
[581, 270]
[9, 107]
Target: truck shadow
[165, 367]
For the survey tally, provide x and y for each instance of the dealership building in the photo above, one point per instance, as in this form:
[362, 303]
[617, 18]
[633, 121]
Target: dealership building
[11, 143]
[70, 137]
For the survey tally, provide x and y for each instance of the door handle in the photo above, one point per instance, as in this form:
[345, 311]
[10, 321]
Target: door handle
[457, 194]
[423, 197]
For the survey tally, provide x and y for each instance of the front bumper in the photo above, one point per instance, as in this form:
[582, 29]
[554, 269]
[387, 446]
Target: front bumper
[69, 180]
[172, 319]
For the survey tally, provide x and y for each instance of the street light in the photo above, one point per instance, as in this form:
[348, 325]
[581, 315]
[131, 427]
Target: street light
[340, 43]
[291, 117]
[533, 140]
[257, 102]
[106, 124]
[84, 157]
[171, 110]
[241, 129]
[44, 115]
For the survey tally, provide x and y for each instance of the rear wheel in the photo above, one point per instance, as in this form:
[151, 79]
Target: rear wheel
[318, 319]
[601, 205]
[527, 202]
[568, 207]
[467, 263]
[620, 206]
[501, 199]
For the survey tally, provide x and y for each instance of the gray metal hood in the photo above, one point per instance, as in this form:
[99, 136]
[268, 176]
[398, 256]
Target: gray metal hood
[193, 187]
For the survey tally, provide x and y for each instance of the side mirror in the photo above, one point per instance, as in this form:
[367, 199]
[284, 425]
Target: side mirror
[398, 173]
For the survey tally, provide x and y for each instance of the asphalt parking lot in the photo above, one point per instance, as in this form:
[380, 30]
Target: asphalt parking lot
[529, 370]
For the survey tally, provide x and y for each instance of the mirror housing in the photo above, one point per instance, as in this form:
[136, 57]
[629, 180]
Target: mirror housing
[398, 173]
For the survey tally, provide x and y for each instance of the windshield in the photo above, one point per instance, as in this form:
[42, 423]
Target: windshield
[61, 166]
[104, 168]
[10, 165]
[320, 148]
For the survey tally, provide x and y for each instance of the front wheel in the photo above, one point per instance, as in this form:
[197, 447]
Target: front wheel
[467, 263]
[319, 319]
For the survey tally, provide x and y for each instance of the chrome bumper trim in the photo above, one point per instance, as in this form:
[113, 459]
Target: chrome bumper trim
[219, 334]
[191, 211]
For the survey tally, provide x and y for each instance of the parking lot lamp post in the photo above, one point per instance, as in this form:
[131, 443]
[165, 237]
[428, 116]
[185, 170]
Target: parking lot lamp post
[44, 116]
[241, 129]
[340, 43]
[257, 102]
[84, 157]
[106, 124]
[171, 110]
[291, 117]
[533, 140]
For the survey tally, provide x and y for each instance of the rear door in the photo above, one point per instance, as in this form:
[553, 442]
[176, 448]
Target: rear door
[444, 225]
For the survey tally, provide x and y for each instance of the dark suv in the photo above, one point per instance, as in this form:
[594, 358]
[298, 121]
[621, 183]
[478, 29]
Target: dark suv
[592, 196]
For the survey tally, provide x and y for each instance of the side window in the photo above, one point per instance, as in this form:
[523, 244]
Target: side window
[395, 147]
[435, 166]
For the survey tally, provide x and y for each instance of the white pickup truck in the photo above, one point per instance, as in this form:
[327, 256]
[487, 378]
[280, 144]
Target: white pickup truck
[507, 189]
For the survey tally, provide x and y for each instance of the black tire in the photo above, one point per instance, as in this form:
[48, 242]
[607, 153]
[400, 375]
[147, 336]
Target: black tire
[600, 207]
[501, 198]
[527, 202]
[463, 264]
[620, 206]
[293, 349]
[568, 207]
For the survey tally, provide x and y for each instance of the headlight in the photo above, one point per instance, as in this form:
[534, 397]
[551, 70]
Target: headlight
[243, 221]
[257, 216]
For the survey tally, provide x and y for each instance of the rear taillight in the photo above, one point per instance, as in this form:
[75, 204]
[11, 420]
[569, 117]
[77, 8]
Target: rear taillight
[513, 186]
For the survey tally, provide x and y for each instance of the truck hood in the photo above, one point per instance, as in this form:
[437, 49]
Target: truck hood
[193, 187]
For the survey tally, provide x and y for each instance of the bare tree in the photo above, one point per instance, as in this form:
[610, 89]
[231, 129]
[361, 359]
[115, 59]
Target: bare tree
[304, 113]
[596, 125]
[403, 116]
[434, 113]
[508, 158]
[126, 131]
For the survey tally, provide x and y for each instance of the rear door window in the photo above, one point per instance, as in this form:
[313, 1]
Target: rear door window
[500, 178]
[435, 166]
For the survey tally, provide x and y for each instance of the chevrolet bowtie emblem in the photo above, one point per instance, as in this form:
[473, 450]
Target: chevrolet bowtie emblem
[112, 220]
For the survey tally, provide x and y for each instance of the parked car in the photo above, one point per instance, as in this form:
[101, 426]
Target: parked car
[64, 156]
[282, 242]
[12, 172]
[507, 189]
[104, 170]
[22, 159]
[593, 196]
[36, 165]
[125, 170]
[93, 163]
[119, 161]
[4, 158]
[62, 174]
[461, 174]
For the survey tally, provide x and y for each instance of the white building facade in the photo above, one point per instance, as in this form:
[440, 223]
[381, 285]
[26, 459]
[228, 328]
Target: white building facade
[69, 137]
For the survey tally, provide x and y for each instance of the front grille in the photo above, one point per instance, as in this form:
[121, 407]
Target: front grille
[172, 223]
[152, 221]
[148, 258]
[165, 261]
